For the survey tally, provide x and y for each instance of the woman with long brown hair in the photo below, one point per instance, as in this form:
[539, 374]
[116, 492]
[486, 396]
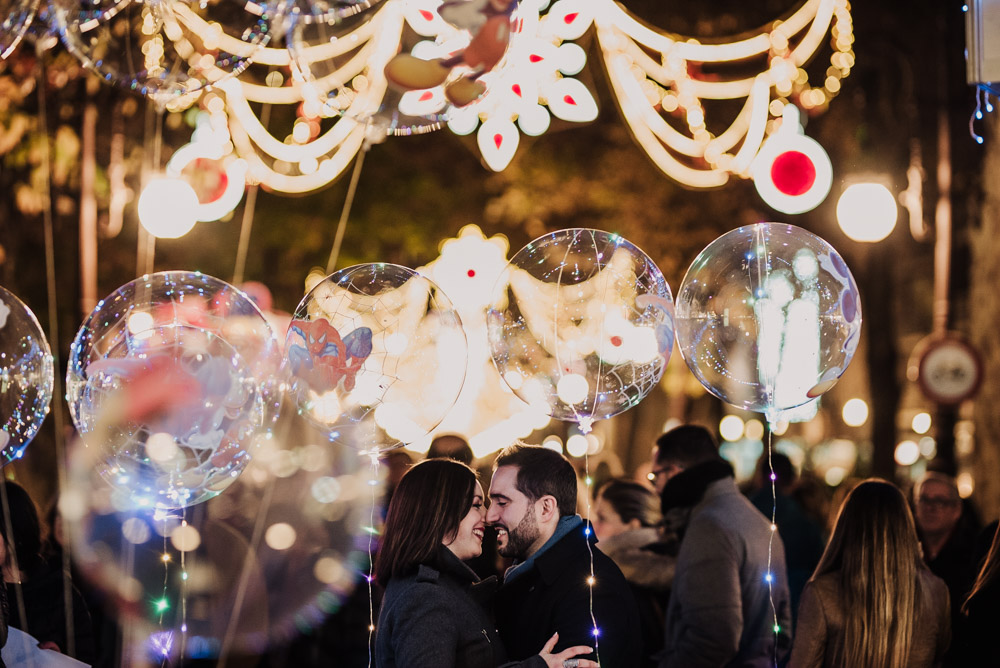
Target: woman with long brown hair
[434, 612]
[872, 602]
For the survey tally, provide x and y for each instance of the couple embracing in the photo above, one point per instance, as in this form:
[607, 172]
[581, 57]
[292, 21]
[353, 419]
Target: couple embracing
[551, 610]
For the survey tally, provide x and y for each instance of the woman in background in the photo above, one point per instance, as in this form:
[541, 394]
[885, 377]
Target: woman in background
[625, 516]
[435, 610]
[872, 602]
[29, 583]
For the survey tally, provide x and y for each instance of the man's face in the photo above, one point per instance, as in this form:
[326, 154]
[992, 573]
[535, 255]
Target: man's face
[938, 507]
[661, 473]
[513, 516]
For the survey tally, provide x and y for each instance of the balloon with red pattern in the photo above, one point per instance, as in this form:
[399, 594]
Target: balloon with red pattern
[792, 172]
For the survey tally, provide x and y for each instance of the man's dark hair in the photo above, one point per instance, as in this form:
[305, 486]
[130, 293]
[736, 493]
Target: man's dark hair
[686, 446]
[451, 446]
[541, 472]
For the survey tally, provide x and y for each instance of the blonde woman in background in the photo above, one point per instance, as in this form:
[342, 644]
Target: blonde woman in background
[872, 602]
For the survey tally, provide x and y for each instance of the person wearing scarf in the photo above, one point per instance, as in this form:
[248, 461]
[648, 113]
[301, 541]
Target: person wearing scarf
[730, 566]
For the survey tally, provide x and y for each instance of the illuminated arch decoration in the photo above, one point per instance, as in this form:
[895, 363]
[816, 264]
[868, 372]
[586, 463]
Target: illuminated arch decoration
[652, 92]
[666, 101]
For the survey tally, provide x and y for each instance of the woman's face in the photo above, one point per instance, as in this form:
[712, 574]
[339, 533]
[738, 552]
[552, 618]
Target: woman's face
[606, 520]
[468, 540]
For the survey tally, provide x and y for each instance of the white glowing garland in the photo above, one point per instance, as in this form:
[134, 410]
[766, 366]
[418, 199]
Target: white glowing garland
[535, 81]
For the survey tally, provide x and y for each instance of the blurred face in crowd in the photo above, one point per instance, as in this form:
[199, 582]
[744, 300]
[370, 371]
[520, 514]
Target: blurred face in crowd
[468, 540]
[661, 473]
[513, 515]
[938, 508]
[607, 522]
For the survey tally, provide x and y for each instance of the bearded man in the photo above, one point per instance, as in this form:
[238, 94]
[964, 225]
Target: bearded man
[551, 587]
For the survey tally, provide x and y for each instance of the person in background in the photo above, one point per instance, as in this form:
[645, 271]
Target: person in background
[625, 516]
[560, 582]
[31, 584]
[872, 601]
[729, 602]
[451, 446]
[802, 537]
[975, 640]
[434, 612]
[948, 539]
[107, 633]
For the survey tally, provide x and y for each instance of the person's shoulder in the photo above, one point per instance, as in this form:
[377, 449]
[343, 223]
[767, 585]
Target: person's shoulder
[937, 587]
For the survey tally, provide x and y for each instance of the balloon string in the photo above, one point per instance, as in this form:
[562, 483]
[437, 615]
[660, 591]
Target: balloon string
[770, 542]
[591, 580]
[248, 212]
[371, 559]
[352, 188]
[57, 390]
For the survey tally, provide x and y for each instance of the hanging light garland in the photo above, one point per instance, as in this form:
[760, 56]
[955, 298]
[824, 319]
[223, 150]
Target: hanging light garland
[656, 78]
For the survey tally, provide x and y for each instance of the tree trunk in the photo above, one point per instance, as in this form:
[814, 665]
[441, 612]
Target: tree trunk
[984, 317]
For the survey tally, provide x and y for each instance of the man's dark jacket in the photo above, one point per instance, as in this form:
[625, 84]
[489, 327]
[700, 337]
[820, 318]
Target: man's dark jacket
[553, 595]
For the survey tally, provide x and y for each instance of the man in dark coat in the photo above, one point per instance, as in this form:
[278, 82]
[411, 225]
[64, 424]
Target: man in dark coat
[550, 589]
[729, 604]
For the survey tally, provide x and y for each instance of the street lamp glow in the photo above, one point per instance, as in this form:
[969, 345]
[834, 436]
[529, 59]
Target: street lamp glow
[731, 428]
[168, 207]
[907, 453]
[867, 212]
[855, 412]
[921, 423]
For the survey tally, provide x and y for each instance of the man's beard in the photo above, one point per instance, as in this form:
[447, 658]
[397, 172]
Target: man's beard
[521, 538]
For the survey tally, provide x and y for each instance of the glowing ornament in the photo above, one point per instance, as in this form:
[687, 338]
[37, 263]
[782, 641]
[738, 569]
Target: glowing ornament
[768, 317]
[792, 172]
[867, 212]
[168, 207]
[26, 377]
[565, 319]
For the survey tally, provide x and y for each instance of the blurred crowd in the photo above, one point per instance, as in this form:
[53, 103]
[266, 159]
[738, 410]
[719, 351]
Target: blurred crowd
[775, 571]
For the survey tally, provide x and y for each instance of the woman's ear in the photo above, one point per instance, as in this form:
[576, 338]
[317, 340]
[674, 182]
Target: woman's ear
[634, 523]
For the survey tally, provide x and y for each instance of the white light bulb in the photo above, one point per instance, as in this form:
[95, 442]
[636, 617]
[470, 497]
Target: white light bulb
[855, 412]
[867, 212]
[168, 208]
[573, 389]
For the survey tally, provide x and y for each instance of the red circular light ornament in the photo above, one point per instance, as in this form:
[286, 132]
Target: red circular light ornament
[792, 172]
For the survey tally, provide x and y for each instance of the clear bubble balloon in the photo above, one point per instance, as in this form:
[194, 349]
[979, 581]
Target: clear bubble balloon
[244, 571]
[377, 356]
[26, 377]
[581, 325]
[15, 17]
[768, 317]
[168, 50]
[172, 379]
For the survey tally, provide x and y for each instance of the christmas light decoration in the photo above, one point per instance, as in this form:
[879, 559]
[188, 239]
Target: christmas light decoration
[654, 76]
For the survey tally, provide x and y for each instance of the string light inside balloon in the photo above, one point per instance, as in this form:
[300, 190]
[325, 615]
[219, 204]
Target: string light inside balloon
[581, 327]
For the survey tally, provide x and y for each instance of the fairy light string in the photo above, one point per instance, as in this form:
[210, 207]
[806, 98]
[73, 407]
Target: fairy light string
[770, 540]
